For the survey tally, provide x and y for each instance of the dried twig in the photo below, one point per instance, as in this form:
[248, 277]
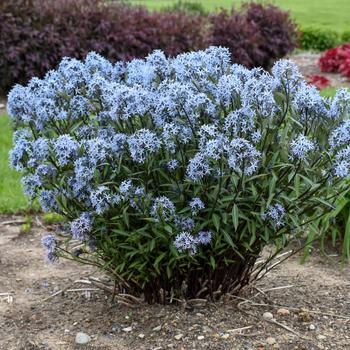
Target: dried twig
[287, 329]
[12, 222]
[277, 288]
[250, 335]
[239, 329]
[54, 294]
[83, 290]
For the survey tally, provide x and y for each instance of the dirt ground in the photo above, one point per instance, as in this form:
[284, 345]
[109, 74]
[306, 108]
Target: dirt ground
[316, 296]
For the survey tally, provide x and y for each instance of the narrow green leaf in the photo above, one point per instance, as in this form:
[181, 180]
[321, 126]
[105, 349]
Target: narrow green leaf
[235, 216]
[216, 221]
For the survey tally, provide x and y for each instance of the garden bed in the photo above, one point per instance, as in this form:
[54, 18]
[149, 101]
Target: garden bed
[307, 62]
[311, 294]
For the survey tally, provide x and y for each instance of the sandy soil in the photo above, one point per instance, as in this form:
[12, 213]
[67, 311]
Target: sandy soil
[312, 293]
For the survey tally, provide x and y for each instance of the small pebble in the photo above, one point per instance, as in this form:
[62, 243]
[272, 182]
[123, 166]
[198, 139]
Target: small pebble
[178, 336]
[141, 335]
[270, 341]
[267, 316]
[127, 329]
[225, 336]
[157, 329]
[321, 337]
[283, 312]
[200, 337]
[312, 327]
[82, 338]
[206, 329]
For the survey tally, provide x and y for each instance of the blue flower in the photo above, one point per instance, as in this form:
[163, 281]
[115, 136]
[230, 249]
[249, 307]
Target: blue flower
[276, 213]
[172, 164]
[243, 156]
[198, 167]
[308, 102]
[340, 104]
[204, 237]
[196, 205]
[185, 242]
[163, 209]
[143, 143]
[342, 163]
[65, 148]
[184, 223]
[341, 135]
[82, 227]
[47, 200]
[31, 185]
[301, 146]
[102, 199]
[50, 244]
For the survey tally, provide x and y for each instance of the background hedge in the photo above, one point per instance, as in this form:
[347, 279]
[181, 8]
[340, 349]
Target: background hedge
[36, 34]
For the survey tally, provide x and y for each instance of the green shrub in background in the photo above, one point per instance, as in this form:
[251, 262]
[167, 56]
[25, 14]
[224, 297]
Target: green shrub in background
[189, 7]
[318, 39]
[345, 37]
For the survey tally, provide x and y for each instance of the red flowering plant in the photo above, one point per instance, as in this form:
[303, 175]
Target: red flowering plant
[336, 60]
[319, 81]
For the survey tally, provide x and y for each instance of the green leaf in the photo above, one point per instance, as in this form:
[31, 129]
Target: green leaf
[126, 217]
[235, 216]
[157, 261]
[168, 229]
[216, 222]
[212, 262]
[228, 239]
[346, 243]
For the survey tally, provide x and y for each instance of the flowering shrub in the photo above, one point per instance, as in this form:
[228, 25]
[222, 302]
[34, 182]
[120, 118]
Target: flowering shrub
[336, 60]
[175, 173]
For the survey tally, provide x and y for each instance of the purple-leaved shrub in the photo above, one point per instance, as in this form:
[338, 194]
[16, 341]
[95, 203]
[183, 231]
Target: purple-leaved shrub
[175, 173]
[37, 34]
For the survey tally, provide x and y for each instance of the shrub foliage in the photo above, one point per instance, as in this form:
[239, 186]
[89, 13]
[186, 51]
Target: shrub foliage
[318, 39]
[37, 34]
[336, 60]
[175, 173]
[256, 36]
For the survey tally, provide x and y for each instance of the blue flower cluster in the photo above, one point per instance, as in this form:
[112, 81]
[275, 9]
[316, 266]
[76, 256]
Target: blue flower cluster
[50, 244]
[185, 242]
[82, 227]
[151, 137]
[276, 214]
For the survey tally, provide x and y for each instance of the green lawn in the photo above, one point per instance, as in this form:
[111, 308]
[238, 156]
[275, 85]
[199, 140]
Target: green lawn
[11, 195]
[332, 14]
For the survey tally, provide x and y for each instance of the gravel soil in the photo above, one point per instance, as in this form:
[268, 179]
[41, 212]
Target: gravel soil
[310, 307]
